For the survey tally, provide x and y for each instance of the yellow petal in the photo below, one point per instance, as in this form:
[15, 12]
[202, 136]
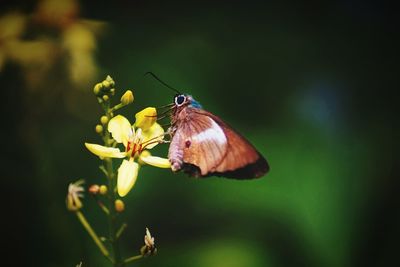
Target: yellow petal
[120, 129]
[105, 152]
[152, 135]
[146, 118]
[127, 98]
[127, 175]
[155, 161]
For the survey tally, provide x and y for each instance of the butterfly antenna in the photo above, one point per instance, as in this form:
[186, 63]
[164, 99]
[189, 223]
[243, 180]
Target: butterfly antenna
[166, 106]
[158, 79]
[162, 117]
[165, 125]
[165, 112]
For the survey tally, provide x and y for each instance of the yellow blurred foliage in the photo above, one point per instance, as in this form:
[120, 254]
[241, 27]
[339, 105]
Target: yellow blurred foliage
[73, 44]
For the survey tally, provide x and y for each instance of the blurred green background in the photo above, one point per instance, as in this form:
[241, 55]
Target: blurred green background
[311, 85]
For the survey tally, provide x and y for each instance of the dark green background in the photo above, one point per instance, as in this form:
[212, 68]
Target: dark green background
[311, 85]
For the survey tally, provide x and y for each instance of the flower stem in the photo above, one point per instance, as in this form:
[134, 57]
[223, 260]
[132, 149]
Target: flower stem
[133, 258]
[121, 230]
[103, 170]
[103, 207]
[112, 215]
[91, 232]
[116, 107]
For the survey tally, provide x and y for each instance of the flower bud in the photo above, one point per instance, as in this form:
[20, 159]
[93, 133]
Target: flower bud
[110, 81]
[99, 128]
[103, 190]
[119, 205]
[94, 189]
[146, 118]
[127, 97]
[103, 120]
[106, 85]
[106, 97]
[97, 89]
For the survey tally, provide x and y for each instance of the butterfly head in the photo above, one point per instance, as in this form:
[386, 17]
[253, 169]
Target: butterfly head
[182, 100]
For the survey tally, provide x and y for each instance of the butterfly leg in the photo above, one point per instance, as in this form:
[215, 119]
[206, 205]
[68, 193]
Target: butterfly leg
[158, 139]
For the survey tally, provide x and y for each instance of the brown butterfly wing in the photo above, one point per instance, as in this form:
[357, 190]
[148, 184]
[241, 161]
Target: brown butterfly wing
[199, 142]
[208, 146]
[242, 160]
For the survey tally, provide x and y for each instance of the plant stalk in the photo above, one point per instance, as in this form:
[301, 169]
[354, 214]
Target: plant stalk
[92, 233]
[112, 215]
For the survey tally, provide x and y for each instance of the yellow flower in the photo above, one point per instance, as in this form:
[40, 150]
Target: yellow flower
[75, 191]
[135, 142]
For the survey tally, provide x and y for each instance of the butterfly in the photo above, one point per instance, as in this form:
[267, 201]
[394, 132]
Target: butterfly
[203, 145]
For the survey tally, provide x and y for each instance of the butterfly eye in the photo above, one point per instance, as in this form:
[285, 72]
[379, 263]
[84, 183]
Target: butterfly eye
[179, 100]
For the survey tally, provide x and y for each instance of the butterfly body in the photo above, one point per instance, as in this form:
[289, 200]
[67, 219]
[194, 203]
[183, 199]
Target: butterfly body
[203, 145]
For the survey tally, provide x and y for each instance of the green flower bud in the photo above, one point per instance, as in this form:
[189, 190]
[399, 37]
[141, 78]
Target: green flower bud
[97, 88]
[110, 81]
[103, 190]
[99, 128]
[106, 85]
[103, 120]
[106, 97]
